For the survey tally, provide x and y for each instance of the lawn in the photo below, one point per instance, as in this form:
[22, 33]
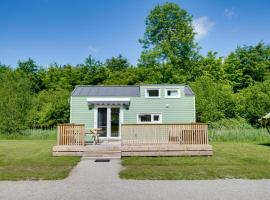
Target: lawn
[230, 160]
[32, 159]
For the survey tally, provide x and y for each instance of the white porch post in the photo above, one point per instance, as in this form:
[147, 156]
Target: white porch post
[109, 122]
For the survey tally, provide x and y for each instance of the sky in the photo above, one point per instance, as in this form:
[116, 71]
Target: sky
[68, 31]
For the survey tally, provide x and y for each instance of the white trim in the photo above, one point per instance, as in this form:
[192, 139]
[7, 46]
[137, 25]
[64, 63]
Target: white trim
[121, 115]
[107, 99]
[194, 106]
[152, 118]
[172, 97]
[121, 121]
[109, 124]
[71, 110]
[95, 117]
[146, 93]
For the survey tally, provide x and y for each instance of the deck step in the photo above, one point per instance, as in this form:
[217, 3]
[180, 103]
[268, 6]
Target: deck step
[101, 154]
[94, 158]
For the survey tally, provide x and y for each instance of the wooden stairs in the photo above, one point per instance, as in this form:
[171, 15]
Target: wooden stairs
[102, 151]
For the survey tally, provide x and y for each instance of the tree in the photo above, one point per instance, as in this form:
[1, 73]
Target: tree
[248, 64]
[30, 68]
[211, 66]
[254, 102]
[4, 68]
[50, 107]
[168, 38]
[214, 100]
[15, 101]
[117, 63]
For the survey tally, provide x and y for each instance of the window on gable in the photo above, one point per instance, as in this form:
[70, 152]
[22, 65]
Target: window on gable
[152, 93]
[172, 93]
[149, 118]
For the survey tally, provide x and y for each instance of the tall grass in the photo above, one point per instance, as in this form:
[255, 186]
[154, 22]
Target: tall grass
[32, 134]
[239, 135]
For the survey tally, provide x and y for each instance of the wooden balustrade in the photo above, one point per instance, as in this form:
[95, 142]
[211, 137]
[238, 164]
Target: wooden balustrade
[70, 134]
[157, 134]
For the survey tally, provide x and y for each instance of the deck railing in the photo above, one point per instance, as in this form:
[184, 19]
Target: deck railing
[70, 134]
[156, 134]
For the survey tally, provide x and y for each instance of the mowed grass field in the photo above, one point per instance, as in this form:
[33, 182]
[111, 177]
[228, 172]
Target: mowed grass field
[238, 153]
[230, 160]
[32, 160]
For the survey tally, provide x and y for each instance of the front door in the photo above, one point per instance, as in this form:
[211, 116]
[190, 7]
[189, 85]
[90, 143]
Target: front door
[108, 119]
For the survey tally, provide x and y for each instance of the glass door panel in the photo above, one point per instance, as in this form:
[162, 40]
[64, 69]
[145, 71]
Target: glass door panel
[102, 121]
[115, 122]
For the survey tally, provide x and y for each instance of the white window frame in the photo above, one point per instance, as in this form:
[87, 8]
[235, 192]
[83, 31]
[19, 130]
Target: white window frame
[147, 96]
[152, 118]
[172, 97]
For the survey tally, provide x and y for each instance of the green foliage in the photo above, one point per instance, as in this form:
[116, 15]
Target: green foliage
[32, 134]
[231, 123]
[239, 135]
[32, 71]
[214, 100]
[168, 38]
[49, 109]
[211, 66]
[117, 63]
[247, 65]
[254, 102]
[15, 101]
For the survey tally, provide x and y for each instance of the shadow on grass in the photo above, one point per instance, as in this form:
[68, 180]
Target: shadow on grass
[265, 144]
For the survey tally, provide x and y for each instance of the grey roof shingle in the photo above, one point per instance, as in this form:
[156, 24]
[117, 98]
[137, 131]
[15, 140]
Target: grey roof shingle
[115, 91]
[188, 91]
[103, 91]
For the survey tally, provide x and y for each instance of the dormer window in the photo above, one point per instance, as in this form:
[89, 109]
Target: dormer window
[172, 93]
[152, 93]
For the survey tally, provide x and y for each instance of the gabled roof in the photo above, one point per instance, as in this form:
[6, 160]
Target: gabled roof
[117, 90]
[106, 91]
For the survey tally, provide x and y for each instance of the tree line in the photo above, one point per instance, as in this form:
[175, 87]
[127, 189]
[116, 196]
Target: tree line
[235, 88]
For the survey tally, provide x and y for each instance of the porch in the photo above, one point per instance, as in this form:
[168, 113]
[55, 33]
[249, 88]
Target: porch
[136, 140]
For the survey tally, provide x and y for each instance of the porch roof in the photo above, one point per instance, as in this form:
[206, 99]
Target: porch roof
[108, 101]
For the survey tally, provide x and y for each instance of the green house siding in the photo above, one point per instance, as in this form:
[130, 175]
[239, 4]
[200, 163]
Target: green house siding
[173, 110]
[80, 113]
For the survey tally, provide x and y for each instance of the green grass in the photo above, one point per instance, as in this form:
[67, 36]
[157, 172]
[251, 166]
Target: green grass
[230, 160]
[32, 134]
[32, 159]
[239, 135]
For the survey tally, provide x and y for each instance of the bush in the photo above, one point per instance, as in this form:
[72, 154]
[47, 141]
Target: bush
[49, 109]
[15, 101]
[214, 100]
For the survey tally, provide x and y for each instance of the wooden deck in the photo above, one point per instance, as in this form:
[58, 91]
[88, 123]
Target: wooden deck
[138, 140]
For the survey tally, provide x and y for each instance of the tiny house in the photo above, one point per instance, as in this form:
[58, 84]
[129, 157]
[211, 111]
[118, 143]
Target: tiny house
[107, 107]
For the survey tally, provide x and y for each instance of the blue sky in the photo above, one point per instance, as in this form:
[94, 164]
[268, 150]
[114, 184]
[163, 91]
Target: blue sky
[67, 31]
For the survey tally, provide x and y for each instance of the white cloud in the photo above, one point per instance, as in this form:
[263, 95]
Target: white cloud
[229, 13]
[202, 26]
[92, 49]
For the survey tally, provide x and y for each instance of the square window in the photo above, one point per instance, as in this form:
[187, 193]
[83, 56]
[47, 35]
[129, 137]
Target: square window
[156, 118]
[152, 93]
